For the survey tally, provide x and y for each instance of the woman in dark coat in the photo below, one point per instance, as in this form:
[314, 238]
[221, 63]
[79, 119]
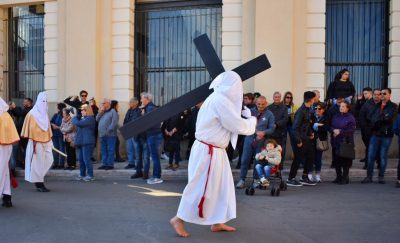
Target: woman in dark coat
[341, 87]
[342, 127]
[320, 128]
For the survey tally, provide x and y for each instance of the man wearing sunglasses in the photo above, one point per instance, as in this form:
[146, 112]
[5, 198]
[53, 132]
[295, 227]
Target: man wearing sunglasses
[77, 103]
[382, 118]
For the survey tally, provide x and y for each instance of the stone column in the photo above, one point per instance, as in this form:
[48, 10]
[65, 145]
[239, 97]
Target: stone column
[315, 64]
[122, 49]
[51, 50]
[394, 50]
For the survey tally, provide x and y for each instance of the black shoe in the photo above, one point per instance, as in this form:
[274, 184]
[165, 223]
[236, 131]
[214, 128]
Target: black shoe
[109, 168]
[6, 201]
[367, 180]
[129, 166]
[70, 168]
[92, 159]
[381, 180]
[119, 160]
[42, 189]
[136, 175]
[237, 166]
[145, 176]
[337, 180]
[364, 167]
[293, 182]
[103, 167]
[363, 160]
[307, 182]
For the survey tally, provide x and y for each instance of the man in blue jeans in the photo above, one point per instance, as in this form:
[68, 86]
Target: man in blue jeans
[133, 144]
[253, 143]
[382, 117]
[107, 119]
[153, 138]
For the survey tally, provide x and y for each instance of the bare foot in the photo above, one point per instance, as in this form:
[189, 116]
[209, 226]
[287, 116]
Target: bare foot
[179, 228]
[222, 227]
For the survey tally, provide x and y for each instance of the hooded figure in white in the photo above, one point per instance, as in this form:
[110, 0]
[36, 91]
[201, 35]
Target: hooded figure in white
[209, 174]
[39, 157]
[8, 137]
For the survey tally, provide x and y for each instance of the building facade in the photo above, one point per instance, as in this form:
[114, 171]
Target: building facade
[118, 48]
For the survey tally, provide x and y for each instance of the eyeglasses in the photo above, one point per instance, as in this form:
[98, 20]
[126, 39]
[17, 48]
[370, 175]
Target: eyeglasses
[288, 97]
[83, 95]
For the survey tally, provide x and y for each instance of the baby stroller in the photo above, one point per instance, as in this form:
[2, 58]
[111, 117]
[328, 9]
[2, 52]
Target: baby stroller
[276, 184]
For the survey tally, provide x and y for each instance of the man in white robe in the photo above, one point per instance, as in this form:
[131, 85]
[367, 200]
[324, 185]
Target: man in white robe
[37, 129]
[209, 197]
[8, 136]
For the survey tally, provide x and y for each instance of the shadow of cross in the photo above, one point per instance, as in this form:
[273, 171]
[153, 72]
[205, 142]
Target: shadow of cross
[190, 99]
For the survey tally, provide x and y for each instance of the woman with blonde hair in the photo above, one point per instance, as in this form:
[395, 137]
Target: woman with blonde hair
[84, 141]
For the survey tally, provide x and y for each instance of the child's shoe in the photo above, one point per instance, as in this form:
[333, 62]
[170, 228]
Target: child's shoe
[264, 182]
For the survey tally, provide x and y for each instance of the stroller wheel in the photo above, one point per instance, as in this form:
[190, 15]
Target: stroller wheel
[283, 186]
[251, 192]
[272, 191]
[277, 192]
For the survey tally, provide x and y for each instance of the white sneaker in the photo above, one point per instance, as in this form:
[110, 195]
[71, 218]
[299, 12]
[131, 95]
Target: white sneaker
[240, 184]
[164, 156]
[79, 178]
[88, 178]
[310, 177]
[318, 178]
[153, 181]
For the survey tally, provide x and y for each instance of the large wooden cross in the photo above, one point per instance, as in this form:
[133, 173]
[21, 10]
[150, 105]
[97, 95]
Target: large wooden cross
[190, 99]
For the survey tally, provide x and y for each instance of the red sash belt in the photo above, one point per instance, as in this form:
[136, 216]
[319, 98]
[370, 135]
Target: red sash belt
[210, 152]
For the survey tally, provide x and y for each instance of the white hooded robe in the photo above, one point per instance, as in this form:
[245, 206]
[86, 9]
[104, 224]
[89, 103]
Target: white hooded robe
[219, 121]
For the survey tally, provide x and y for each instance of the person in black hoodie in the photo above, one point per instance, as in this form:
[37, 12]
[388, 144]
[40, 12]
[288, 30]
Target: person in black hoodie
[341, 87]
[304, 136]
[382, 118]
[173, 132]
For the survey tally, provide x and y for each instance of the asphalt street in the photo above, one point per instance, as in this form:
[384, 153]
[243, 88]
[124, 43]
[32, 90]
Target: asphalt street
[124, 210]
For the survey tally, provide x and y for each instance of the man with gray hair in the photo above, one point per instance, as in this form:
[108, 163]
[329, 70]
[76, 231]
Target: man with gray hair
[153, 140]
[133, 146]
[281, 119]
[107, 119]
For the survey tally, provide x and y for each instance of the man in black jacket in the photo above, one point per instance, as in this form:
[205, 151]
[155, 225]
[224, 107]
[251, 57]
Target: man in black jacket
[20, 114]
[363, 120]
[76, 103]
[382, 118]
[281, 118]
[303, 135]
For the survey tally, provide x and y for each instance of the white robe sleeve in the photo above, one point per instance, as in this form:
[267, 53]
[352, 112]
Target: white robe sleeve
[232, 121]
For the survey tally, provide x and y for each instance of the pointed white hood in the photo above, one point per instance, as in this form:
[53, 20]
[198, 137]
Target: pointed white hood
[3, 106]
[39, 111]
[229, 84]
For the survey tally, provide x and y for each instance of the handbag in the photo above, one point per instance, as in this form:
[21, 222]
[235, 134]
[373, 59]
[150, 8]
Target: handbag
[322, 145]
[346, 150]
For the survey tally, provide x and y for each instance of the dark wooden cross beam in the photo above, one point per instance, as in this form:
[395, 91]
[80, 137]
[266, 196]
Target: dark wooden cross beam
[190, 99]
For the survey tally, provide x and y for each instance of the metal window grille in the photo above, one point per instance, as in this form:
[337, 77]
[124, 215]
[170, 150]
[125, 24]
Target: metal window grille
[25, 52]
[357, 38]
[167, 63]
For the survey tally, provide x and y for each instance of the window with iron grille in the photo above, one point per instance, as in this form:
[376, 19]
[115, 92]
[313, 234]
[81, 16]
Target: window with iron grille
[25, 52]
[167, 63]
[357, 38]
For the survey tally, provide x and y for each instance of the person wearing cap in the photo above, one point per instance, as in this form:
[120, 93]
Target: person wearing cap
[320, 128]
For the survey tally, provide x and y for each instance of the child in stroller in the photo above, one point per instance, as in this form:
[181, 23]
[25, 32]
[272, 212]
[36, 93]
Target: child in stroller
[267, 159]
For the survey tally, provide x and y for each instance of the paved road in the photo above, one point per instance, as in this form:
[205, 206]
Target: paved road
[109, 210]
